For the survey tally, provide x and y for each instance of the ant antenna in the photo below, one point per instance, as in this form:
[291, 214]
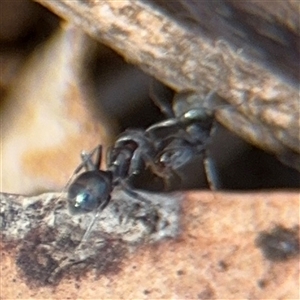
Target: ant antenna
[85, 163]
[89, 190]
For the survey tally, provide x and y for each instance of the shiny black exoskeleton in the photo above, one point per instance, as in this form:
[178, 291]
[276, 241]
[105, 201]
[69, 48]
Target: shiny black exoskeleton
[91, 189]
[162, 148]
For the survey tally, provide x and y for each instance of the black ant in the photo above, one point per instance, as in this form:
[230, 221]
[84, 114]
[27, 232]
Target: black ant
[162, 148]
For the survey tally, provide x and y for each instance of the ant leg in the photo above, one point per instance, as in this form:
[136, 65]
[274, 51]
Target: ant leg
[172, 180]
[211, 172]
[209, 165]
[167, 175]
[87, 161]
[167, 182]
[131, 193]
[160, 94]
[87, 232]
[136, 163]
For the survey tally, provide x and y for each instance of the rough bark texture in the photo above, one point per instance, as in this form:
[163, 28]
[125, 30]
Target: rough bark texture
[183, 246]
[248, 53]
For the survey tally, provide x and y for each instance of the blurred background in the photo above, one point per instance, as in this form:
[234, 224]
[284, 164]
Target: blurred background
[62, 92]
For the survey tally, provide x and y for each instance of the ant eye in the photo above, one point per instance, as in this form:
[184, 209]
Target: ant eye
[84, 200]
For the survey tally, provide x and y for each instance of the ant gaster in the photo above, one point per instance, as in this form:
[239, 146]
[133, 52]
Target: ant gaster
[162, 148]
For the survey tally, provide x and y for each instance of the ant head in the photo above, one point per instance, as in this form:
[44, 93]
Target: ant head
[89, 190]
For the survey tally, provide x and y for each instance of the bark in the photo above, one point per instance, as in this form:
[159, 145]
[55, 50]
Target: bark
[248, 53]
[185, 245]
